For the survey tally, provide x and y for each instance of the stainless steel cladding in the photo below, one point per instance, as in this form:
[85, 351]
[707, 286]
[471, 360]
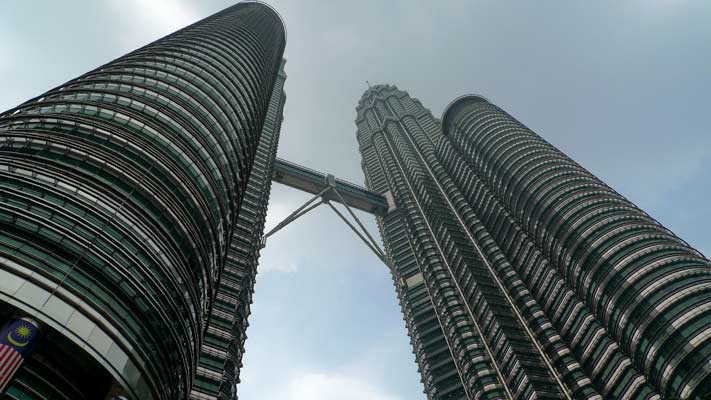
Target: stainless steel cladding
[521, 275]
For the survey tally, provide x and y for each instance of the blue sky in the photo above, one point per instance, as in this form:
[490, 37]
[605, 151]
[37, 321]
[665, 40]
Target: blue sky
[621, 87]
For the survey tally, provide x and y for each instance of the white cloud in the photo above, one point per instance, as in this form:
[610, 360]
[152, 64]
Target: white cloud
[278, 267]
[323, 386]
[277, 211]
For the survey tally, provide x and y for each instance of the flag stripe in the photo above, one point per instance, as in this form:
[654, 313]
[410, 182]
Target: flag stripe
[4, 358]
[7, 370]
[10, 372]
[10, 361]
[3, 350]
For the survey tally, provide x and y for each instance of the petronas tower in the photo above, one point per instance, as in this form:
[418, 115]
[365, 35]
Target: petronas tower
[133, 201]
[521, 275]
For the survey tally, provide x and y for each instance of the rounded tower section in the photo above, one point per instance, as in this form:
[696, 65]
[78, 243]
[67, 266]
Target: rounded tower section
[641, 285]
[120, 190]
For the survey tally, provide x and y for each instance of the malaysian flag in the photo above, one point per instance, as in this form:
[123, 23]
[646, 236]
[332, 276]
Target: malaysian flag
[17, 338]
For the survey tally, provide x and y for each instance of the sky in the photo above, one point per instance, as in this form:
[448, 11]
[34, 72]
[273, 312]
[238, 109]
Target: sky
[621, 87]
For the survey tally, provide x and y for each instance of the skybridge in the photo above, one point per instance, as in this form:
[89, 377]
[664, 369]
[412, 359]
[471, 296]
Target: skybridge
[327, 189]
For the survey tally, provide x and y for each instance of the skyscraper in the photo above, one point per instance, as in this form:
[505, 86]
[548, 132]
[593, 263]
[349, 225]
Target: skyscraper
[223, 346]
[521, 275]
[119, 204]
[630, 297]
[132, 208]
[434, 350]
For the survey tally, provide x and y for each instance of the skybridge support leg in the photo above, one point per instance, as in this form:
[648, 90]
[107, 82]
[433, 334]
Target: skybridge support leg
[296, 214]
[360, 230]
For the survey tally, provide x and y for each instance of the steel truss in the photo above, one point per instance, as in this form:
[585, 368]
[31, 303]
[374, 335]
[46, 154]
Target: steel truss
[332, 193]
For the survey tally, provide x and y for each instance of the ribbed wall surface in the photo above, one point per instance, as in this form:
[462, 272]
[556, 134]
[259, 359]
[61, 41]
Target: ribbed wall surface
[481, 306]
[629, 298]
[223, 346]
[123, 187]
[433, 353]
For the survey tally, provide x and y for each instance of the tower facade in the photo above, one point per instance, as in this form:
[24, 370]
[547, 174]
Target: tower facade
[520, 274]
[382, 164]
[120, 198]
[632, 300]
[223, 347]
